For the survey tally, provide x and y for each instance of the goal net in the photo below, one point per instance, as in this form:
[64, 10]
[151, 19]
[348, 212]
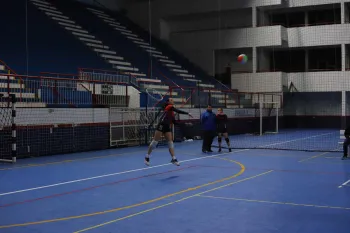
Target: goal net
[130, 127]
[7, 129]
[268, 114]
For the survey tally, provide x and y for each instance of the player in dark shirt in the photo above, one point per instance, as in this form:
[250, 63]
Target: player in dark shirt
[346, 142]
[164, 127]
[221, 121]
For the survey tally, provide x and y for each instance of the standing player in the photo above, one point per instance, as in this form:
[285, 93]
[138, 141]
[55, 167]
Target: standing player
[346, 142]
[221, 119]
[164, 127]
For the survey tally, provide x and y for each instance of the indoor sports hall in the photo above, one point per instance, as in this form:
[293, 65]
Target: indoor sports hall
[252, 97]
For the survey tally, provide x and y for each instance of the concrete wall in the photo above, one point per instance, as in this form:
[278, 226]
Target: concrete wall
[318, 35]
[313, 104]
[258, 82]
[303, 82]
[209, 21]
[205, 42]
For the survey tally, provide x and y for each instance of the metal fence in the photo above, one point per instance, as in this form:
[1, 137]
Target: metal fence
[106, 76]
[35, 91]
[198, 97]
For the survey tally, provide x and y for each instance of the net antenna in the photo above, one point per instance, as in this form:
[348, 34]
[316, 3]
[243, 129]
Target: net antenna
[154, 97]
[269, 113]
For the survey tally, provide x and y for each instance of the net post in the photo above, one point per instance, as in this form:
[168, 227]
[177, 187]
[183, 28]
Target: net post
[126, 96]
[277, 115]
[261, 116]
[110, 125]
[13, 126]
[12, 97]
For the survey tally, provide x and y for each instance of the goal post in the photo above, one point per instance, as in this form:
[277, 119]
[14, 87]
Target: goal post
[268, 116]
[132, 126]
[8, 147]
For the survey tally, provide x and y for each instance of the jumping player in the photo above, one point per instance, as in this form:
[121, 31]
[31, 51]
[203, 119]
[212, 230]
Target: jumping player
[164, 127]
[221, 119]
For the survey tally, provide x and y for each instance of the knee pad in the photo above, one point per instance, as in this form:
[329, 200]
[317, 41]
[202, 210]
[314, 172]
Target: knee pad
[227, 140]
[171, 144]
[154, 144]
[219, 139]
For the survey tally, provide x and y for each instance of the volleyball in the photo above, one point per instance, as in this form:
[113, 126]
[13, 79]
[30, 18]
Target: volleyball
[242, 59]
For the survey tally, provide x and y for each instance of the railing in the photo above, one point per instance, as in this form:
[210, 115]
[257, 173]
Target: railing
[288, 71]
[303, 24]
[106, 75]
[39, 91]
[11, 71]
[193, 97]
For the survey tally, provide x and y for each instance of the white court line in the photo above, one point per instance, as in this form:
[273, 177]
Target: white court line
[344, 184]
[112, 174]
[134, 170]
[278, 143]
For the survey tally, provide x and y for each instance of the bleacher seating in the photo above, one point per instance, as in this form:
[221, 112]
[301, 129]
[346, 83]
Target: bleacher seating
[25, 96]
[131, 42]
[44, 48]
[73, 34]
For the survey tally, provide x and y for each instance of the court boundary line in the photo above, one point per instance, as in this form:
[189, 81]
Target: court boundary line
[134, 205]
[313, 157]
[171, 203]
[275, 202]
[344, 184]
[278, 143]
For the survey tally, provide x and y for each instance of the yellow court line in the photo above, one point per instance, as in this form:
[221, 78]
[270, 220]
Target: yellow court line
[171, 203]
[130, 206]
[313, 157]
[277, 202]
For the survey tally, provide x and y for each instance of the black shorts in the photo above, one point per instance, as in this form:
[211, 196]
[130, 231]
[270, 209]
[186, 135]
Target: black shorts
[222, 130]
[164, 128]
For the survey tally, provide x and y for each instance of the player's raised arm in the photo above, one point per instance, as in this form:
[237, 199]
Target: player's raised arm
[172, 108]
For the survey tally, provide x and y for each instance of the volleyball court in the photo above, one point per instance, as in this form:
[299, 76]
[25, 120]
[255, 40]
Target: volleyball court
[275, 178]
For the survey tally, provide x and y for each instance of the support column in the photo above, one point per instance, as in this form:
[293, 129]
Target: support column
[343, 57]
[306, 60]
[254, 17]
[306, 21]
[342, 12]
[164, 30]
[254, 59]
[343, 110]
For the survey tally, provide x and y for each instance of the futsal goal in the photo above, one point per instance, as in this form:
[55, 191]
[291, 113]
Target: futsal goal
[7, 128]
[268, 114]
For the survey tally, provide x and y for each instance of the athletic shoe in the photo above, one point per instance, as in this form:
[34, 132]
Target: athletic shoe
[147, 161]
[219, 150]
[344, 157]
[230, 150]
[175, 162]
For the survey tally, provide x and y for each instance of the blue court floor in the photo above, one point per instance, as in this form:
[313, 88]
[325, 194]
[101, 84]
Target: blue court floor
[248, 191]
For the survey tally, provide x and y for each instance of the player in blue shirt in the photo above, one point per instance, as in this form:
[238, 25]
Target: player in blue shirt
[208, 122]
